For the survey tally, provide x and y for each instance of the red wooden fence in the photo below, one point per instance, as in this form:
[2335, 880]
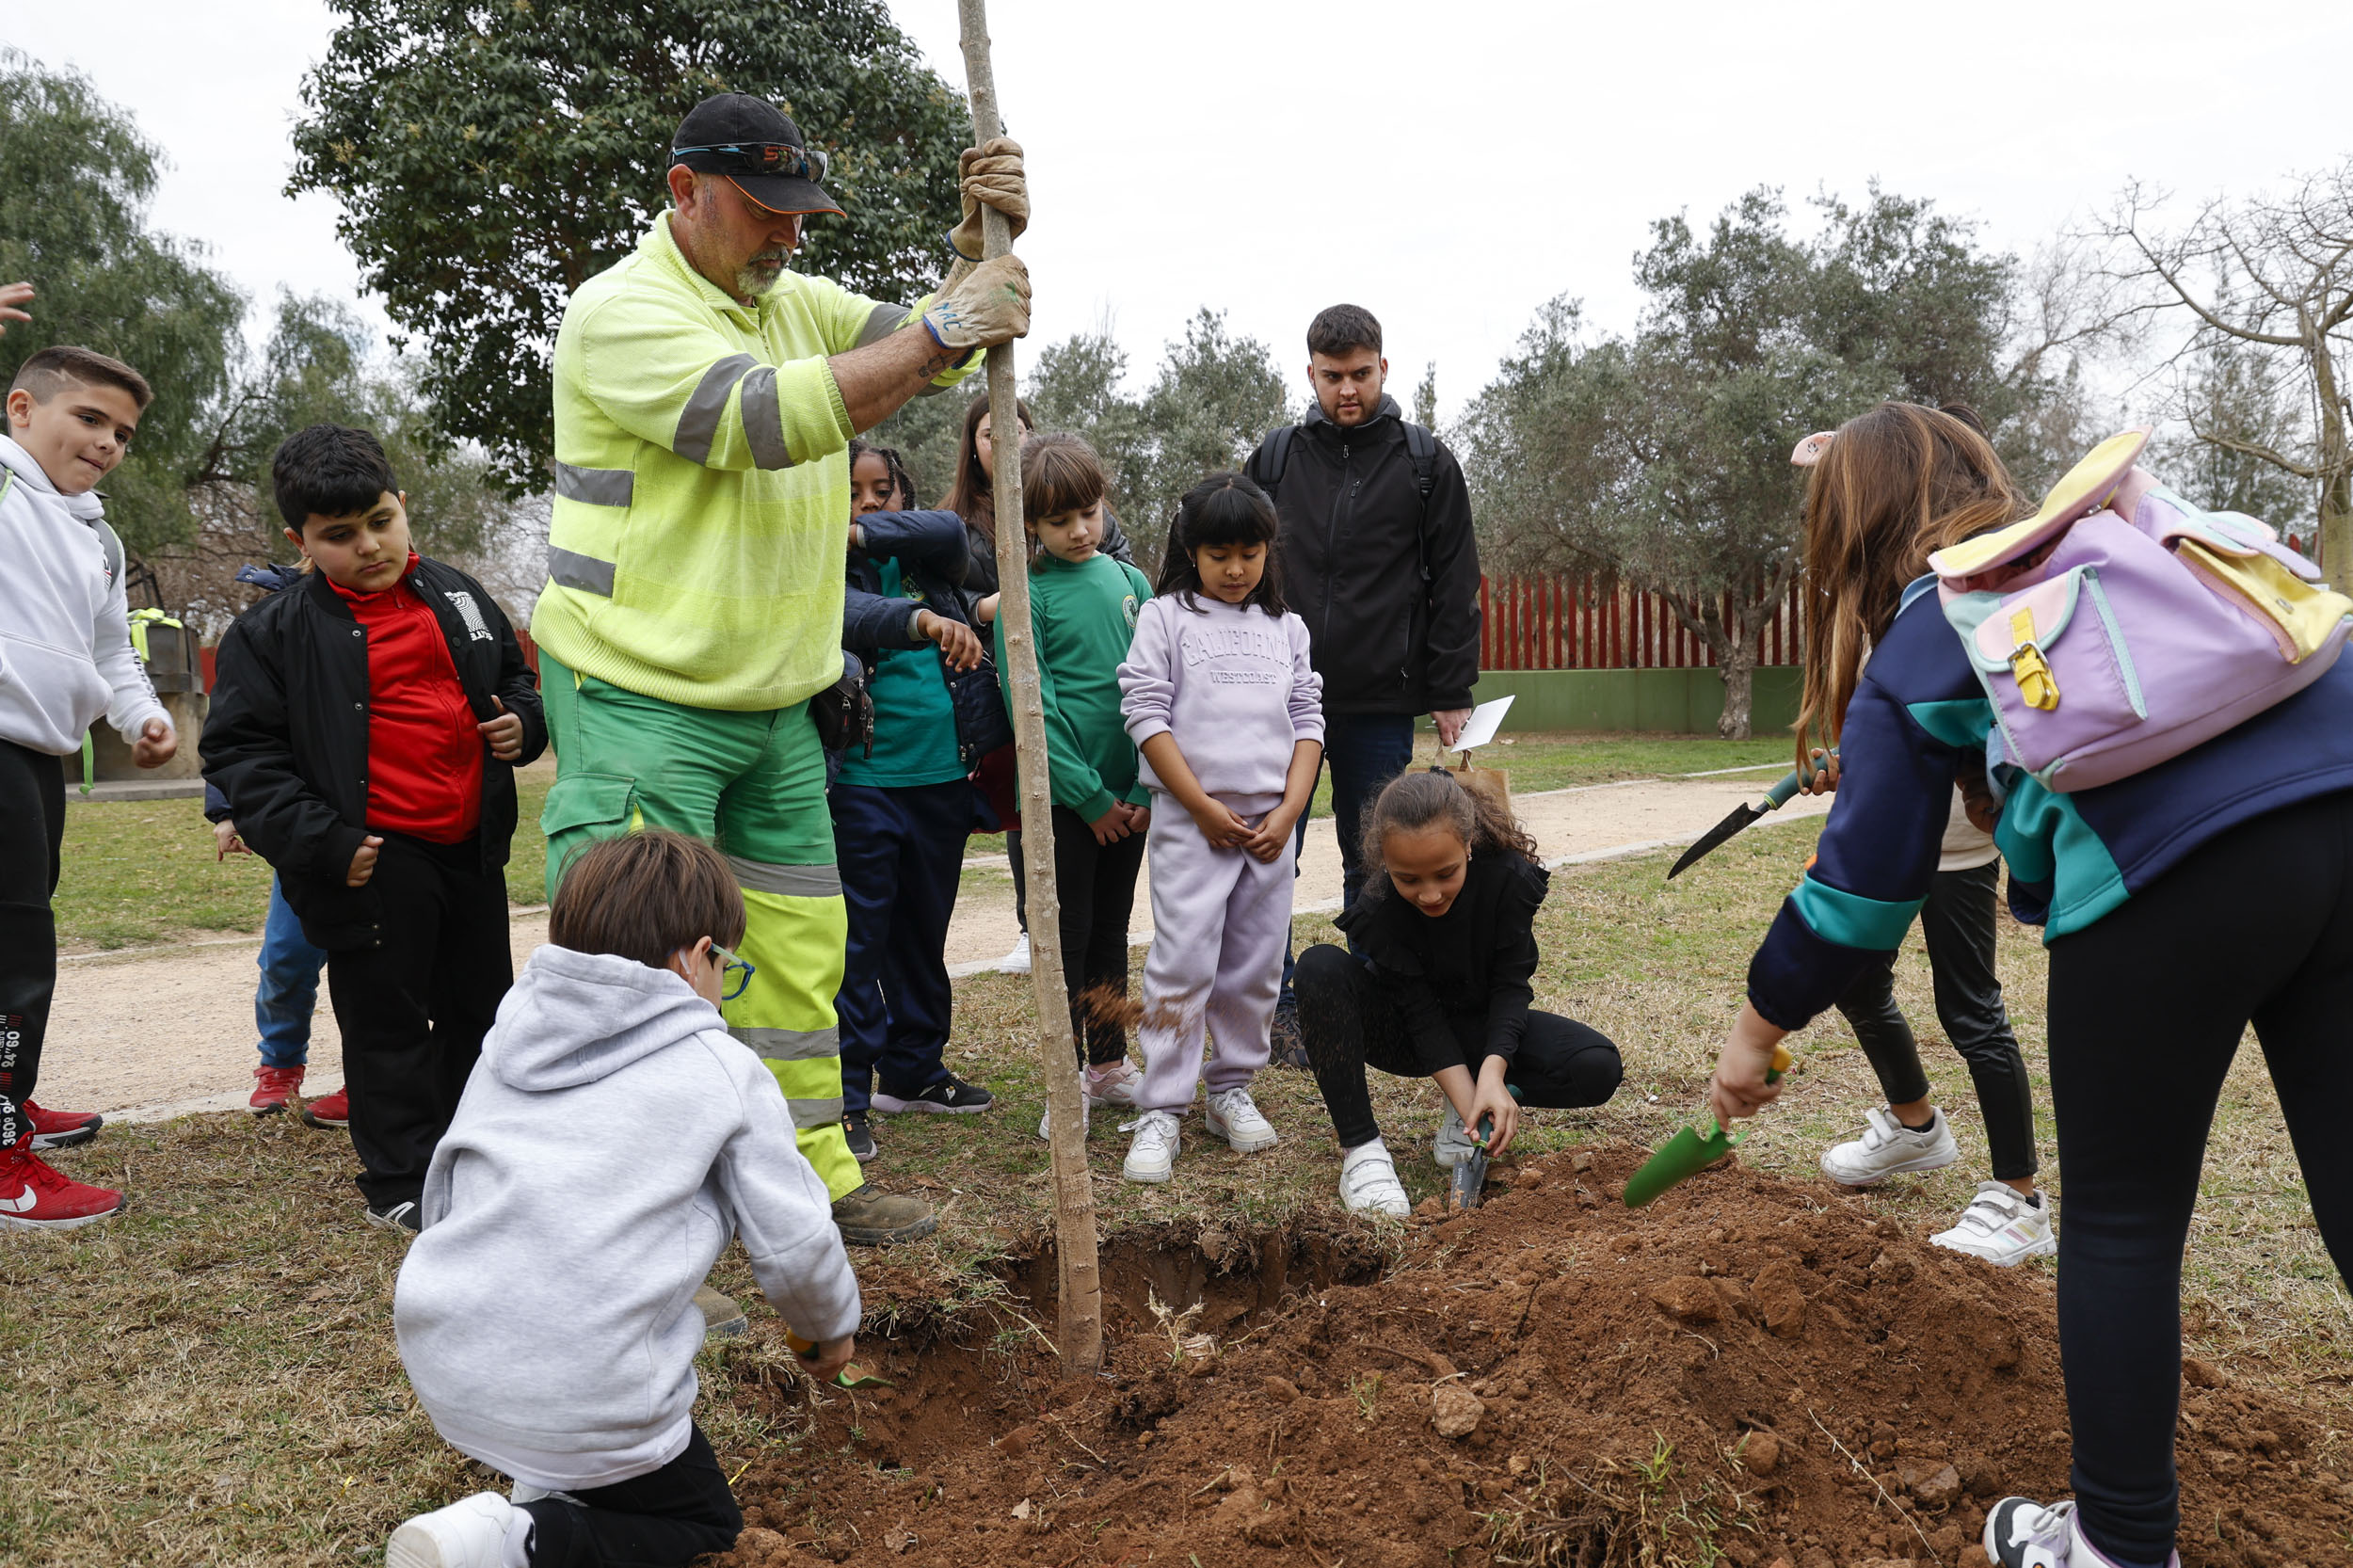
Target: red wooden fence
[1583, 623]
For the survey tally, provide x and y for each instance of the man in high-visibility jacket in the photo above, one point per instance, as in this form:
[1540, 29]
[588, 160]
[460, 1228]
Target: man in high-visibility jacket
[704, 401]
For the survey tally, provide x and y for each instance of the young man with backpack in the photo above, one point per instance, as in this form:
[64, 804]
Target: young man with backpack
[1378, 557]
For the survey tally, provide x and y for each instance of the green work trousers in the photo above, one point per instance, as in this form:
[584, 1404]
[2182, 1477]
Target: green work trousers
[754, 784]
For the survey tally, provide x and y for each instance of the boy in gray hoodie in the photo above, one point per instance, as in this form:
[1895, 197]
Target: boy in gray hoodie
[66, 659]
[612, 1139]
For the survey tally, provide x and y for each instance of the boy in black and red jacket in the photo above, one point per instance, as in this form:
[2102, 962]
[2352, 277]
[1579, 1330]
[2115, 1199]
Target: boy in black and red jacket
[365, 728]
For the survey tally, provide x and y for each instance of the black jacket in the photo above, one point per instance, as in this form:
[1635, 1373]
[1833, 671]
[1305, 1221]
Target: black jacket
[1462, 977]
[1355, 540]
[270, 578]
[931, 548]
[287, 740]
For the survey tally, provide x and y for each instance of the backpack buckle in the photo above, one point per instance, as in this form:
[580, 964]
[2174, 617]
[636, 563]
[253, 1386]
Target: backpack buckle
[2038, 687]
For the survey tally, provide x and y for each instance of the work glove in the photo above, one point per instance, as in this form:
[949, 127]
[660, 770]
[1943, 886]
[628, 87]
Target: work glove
[989, 176]
[991, 306]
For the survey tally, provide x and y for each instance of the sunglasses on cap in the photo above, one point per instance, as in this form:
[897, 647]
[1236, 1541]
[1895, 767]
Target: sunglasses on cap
[770, 158]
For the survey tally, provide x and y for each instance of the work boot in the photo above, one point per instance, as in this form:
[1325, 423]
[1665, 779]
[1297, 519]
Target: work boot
[722, 1318]
[870, 1217]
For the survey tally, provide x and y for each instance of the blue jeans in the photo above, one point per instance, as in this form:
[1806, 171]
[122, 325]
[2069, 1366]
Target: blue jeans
[900, 849]
[289, 991]
[1363, 751]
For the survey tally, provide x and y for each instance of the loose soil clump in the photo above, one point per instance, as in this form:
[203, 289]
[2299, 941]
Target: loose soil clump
[1749, 1371]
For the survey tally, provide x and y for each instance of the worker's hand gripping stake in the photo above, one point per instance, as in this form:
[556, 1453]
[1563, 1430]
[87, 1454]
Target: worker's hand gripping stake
[1687, 1153]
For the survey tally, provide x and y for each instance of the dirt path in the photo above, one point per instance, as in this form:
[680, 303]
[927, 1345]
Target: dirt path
[148, 1035]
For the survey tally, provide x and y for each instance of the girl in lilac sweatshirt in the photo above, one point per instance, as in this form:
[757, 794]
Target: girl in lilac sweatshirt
[1221, 702]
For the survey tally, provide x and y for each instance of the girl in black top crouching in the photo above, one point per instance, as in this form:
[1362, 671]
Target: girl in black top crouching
[1446, 925]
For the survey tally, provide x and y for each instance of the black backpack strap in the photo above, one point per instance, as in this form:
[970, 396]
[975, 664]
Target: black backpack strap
[1274, 456]
[1422, 448]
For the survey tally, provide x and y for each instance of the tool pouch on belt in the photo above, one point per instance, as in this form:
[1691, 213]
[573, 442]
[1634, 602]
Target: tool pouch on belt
[845, 712]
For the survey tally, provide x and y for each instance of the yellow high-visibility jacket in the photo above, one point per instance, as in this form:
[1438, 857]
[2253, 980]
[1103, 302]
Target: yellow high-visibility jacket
[702, 494]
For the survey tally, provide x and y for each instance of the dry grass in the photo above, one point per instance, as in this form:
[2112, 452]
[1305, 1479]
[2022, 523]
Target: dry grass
[211, 1379]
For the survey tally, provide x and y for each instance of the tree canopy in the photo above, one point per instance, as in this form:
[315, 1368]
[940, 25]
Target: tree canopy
[76, 181]
[489, 159]
[1662, 457]
[1212, 399]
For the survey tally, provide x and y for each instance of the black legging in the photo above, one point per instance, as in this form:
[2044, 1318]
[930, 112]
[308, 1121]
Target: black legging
[658, 1520]
[1346, 1025]
[2148, 1006]
[1096, 884]
[1957, 926]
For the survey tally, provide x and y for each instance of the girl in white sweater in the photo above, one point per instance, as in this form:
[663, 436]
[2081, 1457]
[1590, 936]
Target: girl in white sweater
[1220, 698]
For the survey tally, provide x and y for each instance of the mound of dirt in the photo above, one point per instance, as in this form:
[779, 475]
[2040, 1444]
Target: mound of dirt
[1748, 1371]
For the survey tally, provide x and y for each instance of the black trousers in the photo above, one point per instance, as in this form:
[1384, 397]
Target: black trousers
[1348, 1025]
[2148, 1006]
[1958, 924]
[413, 1008]
[1096, 884]
[32, 827]
[657, 1520]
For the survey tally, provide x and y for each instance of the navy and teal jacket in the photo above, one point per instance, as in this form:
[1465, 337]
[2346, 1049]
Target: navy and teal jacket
[1918, 710]
[930, 546]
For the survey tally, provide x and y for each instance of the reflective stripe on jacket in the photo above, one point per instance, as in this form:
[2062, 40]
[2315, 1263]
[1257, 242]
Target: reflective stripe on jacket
[702, 491]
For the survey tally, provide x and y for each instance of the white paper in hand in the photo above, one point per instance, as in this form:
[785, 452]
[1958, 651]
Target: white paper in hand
[1484, 721]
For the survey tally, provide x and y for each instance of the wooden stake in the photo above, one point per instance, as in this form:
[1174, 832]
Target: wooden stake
[1080, 1323]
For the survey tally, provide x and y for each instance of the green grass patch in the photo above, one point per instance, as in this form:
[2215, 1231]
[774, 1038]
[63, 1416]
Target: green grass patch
[142, 872]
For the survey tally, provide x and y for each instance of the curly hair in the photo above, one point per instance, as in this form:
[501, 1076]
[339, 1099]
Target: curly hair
[1413, 802]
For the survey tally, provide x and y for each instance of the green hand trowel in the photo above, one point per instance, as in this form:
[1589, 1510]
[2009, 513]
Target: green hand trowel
[1687, 1153]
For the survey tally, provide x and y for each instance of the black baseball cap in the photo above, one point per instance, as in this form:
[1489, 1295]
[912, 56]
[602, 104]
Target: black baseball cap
[752, 143]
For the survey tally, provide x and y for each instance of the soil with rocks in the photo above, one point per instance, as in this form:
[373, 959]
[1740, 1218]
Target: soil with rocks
[1749, 1371]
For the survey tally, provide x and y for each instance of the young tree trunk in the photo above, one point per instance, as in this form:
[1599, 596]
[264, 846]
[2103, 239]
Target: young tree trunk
[2336, 471]
[1079, 1329]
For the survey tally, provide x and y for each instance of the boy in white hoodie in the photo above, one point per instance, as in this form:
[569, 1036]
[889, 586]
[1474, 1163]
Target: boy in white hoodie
[612, 1138]
[65, 658]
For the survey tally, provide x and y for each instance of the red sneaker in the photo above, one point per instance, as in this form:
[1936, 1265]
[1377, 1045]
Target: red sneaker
[35, 1197]
[61, 1129]
[272, 1088]
[329, 1109]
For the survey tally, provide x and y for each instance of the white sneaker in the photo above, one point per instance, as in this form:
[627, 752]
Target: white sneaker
[1018, 960]
[1086, 1119]
[2021, 1533]
[469, 1533]
[1887, 1147]
[1454, 1144]
[1231, 1115]
[2002, 1227]
[1153, 1154]
[1114, 1084]
[1369, 1183]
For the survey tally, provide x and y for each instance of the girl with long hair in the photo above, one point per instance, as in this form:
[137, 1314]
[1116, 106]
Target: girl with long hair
[1082, 613]
[972, 496]
[2179, 905]
[1222, 700]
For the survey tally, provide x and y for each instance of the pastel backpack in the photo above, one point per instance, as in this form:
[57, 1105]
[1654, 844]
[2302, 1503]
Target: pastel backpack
[2120, 625]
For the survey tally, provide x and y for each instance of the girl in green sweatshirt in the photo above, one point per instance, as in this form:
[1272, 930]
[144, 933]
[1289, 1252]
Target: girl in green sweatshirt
[1082, 606]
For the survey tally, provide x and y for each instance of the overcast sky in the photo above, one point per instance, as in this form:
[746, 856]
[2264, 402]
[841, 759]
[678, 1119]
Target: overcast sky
[1451, 165]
